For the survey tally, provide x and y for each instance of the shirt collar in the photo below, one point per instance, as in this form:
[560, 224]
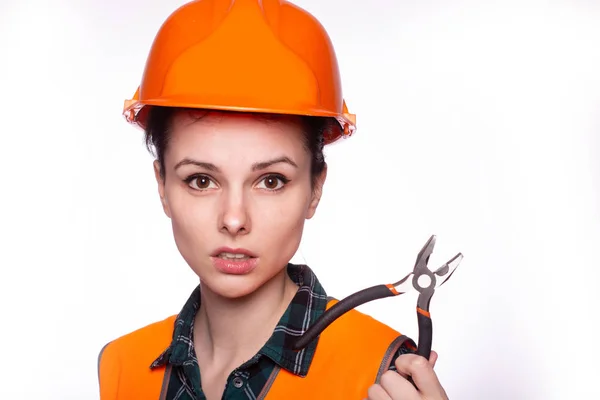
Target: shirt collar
[308, 304]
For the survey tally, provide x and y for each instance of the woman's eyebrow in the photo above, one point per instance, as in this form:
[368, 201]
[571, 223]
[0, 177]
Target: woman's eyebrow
[201, 164]
[266, 164]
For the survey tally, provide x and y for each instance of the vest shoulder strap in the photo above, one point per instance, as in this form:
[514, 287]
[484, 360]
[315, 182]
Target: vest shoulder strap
[124, 363]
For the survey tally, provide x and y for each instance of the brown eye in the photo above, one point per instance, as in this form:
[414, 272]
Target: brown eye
[200, 182]
[273, 182]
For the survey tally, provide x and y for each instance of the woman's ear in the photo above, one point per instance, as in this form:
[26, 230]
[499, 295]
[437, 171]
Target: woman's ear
[160, 180]
[317, 193]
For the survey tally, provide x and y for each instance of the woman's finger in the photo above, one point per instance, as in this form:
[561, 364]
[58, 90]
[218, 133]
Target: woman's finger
[433, 358]
[376, 392]
[398, 387]
[422, 374]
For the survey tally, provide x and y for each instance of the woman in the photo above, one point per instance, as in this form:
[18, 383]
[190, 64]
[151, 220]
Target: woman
[237, 100]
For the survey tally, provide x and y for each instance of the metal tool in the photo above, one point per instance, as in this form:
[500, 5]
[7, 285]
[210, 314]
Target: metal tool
[426, 290]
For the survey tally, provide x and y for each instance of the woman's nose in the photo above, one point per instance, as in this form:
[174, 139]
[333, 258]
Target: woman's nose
[234, 218]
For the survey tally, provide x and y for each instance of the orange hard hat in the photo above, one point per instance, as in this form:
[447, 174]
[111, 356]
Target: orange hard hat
[243, 55]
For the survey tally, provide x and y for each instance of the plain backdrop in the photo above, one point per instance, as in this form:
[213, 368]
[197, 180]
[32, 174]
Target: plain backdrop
[479, 121]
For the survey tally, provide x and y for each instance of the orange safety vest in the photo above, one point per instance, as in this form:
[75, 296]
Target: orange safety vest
[351, 355]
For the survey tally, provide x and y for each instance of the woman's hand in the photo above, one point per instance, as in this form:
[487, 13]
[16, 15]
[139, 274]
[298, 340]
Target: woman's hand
[396, 386]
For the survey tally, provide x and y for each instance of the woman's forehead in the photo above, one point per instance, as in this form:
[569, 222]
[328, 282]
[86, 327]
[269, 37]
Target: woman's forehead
[224, 134]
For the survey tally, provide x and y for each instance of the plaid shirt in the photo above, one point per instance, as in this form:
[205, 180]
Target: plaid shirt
[248, 380]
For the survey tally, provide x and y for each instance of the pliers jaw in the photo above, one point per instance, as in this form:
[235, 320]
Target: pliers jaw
[434, 280]
[423, 279]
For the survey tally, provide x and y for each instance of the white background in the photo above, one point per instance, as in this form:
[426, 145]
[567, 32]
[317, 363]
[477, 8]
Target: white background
[479, 121]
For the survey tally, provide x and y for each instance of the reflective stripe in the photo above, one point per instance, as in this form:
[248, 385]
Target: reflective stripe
[389, 355]
[100, 359]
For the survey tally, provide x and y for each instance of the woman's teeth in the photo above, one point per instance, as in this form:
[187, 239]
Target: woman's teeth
[231, 256]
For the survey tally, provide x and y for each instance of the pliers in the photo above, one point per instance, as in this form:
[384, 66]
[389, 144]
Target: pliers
[423, 280]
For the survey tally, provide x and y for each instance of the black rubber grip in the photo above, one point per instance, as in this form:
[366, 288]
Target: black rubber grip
[339, 309]
[425, 335]
[425, 339]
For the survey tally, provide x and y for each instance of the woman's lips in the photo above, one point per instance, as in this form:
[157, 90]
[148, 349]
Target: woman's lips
[239, 266]
[234, 261]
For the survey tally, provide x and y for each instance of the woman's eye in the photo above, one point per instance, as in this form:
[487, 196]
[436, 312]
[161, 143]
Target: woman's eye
[201, 182]
[272, 182]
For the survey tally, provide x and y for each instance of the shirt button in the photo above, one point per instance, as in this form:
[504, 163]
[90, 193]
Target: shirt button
[238, 382]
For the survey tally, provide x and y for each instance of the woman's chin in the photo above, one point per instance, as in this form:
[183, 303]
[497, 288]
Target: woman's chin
[233, 286]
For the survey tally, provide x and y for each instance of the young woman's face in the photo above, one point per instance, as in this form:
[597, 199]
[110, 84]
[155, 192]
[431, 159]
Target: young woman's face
[237, 189]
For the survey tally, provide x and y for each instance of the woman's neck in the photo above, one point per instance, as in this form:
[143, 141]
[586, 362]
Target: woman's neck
[230, 331]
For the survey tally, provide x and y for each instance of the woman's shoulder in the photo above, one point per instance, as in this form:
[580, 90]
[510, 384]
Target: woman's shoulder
[354, 348]
[156, 335]
[366, 334]
[125, 360]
